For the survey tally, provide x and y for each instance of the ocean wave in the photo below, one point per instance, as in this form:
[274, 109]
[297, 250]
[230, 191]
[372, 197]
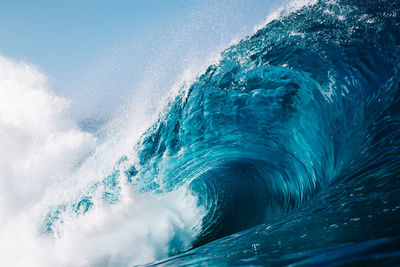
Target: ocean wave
[306, 105]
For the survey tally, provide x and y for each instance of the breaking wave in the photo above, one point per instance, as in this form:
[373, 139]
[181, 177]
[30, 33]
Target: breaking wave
[306, 105]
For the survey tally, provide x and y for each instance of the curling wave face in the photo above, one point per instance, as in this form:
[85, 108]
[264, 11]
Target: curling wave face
[305, 107]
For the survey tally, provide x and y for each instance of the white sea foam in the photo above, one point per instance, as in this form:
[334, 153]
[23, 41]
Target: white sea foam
[39, 143]
[45, 158]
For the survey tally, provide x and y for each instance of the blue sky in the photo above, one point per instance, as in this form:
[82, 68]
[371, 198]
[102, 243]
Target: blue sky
[99, 53]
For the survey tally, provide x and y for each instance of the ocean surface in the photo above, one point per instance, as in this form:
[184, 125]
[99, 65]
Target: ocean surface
[286, 151]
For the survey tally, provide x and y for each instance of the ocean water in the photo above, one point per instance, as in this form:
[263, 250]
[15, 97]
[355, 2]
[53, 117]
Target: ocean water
[286, 151]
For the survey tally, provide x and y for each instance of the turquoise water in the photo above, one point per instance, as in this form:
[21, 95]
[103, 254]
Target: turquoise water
[290, 146]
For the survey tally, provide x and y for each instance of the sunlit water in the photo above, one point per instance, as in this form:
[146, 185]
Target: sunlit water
[285, 151]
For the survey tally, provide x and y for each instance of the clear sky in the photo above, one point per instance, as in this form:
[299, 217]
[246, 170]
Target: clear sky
[99, 53]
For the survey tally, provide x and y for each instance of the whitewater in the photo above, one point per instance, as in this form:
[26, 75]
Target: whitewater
[283, 150]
